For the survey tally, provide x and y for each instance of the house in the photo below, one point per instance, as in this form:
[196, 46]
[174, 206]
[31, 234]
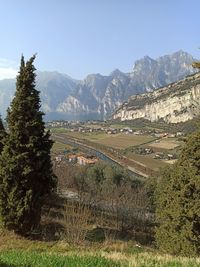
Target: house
[159, 155]
[59, 158]
[137, 133]
[170, 156]
[179, 134]
[161, 135]
[72, 158]
[81, 160]
[172, 135]
[148, 150]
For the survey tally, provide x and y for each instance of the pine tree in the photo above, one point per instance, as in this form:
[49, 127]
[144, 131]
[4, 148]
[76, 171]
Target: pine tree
[25, 165]
[178, 203]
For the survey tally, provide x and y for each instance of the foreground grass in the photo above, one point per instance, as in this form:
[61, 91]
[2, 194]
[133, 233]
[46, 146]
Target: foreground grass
[31, 259]
[98, 259]
[21, 252]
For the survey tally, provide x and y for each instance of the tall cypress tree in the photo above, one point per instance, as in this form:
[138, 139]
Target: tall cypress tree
[25, 165]
[2, 134]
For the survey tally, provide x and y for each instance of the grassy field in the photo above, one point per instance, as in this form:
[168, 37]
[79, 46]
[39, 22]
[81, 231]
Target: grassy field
[20, 252]
[114, 259]
[32, 259]
[147, 160]
[119, 141]
[59, 130]
[127, 142]
[122, 141]
[88, 136]
[60, 147]
[166, 144]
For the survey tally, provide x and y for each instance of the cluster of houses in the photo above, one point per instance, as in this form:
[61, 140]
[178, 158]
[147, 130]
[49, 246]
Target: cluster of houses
[158, 155]
[76, 159]
[70, 124]
[164, 156]
[57, 124]
[91, 126]
[143, 151]
[108, 130]
[126, 130]
[169, 135]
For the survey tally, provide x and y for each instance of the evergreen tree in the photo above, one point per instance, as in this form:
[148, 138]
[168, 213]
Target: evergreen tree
[178, 203]
[25, 165]
[2, 134]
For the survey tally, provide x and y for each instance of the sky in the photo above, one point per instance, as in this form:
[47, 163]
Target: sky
[79, 37]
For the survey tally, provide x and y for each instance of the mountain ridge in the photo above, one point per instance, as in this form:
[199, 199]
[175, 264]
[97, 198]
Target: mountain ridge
[97, 96]
[174, 103]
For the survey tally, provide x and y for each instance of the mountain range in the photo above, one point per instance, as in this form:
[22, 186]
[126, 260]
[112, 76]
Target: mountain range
[97, 96]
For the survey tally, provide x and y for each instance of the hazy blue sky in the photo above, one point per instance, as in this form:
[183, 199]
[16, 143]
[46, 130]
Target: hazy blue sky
[79, 37]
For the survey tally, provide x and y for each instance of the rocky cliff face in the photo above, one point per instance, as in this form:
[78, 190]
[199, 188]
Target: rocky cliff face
[177, 102]
[97, 96]
[100, 95]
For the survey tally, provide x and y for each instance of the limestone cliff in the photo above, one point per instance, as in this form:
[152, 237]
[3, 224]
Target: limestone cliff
[177, 102]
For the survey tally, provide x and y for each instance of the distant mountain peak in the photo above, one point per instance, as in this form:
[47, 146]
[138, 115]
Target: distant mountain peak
[93, 76]
[116, 72]
[180, 53]
[143, 64]
[147, 58]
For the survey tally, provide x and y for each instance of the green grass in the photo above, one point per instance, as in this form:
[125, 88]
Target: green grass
[112, 259]
[122, 141]
[132, 258]
[58, 147]
[147, 160]
[59, 130]
[87, 136]
[119, 141]
[16, 251]
[166, 144]
[32, 259]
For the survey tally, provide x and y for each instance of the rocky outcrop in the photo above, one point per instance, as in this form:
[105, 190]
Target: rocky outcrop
[177, 102]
